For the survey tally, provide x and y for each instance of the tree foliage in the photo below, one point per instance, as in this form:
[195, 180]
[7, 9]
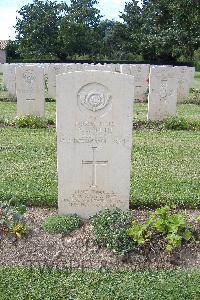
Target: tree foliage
[79, 29]
[157, 30]
[37, 28]
[163, 29]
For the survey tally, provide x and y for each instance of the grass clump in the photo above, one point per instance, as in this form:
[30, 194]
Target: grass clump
[110, 229]
[30, 121]
[174, 123]
[171, 123]
[194, 96]
[61, 224]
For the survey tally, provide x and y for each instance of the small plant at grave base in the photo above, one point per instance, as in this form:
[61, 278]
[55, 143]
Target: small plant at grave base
[61, 224]
[172, 226]
[175, 123]
[50, 121]
[2, 88]
[194, 97]
[11, 220]
[30, 121]
[110, 228]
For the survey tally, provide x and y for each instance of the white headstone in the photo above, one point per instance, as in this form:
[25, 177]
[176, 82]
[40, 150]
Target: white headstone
[94, 132]
[9, 78]
[30, 90]
[141, 79]
[184, 75]
[191, 74]
[53, 70]
[162, 93]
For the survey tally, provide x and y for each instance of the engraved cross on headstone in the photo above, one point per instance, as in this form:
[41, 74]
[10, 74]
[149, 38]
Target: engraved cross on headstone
[94, 164]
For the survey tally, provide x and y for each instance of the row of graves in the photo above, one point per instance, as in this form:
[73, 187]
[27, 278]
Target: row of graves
[164, 86]
[94, 106]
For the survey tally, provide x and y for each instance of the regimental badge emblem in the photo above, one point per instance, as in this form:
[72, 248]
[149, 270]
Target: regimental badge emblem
[94, 97]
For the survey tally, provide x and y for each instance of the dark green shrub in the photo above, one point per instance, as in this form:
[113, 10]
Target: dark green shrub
[2, 87]
[61, 224]
[110, 228]
[30, 121]
[47, 99]
[175, 123]
[11, 220]
[50, 121]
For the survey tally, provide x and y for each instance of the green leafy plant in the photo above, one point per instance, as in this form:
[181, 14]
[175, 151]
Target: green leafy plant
[61, 224]
[175, 123]
[110, 228]
[194, 97]
[30, 121]
[2, 87]
[173, 227]
[11, 220]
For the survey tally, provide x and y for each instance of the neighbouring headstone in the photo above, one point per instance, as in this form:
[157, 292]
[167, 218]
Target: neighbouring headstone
[185, 77]
[162, 93]
[94, 132]
[53, 70]
[9, 78]
[191, 75]
[30, 90]
[141, 79]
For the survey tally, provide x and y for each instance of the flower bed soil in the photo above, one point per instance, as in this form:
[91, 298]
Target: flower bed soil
[79, 249]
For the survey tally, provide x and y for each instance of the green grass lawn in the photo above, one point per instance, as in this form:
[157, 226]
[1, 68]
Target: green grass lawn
[196, 83]
[191, 112]
[165, 167]
[54, 284]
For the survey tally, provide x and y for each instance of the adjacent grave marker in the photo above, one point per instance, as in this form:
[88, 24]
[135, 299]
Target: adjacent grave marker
[141, 76]
[30, 90]
[162, 93]
[94, 132]
[9, 78]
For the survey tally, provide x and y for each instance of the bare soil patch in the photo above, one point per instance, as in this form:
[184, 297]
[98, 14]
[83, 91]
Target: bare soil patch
[79, 249]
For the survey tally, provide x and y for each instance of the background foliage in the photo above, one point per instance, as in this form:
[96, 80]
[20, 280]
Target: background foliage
[161, 30]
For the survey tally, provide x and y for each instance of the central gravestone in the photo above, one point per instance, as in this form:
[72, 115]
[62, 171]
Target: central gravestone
[94, 132]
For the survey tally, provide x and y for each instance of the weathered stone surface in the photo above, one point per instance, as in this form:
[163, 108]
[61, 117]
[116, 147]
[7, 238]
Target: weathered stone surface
[30, 90]
[141, 77]
[185, 76]
[94, 132]
[9, 78]
[162, 93]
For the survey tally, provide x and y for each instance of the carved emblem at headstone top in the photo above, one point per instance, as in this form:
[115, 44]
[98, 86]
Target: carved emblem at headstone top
[94, 97]
[29, 77]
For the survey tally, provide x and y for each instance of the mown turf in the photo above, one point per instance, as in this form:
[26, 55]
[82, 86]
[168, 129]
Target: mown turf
[190, 112]
[165, 167]
[28, 166]
[8, 111]
[51, 284]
